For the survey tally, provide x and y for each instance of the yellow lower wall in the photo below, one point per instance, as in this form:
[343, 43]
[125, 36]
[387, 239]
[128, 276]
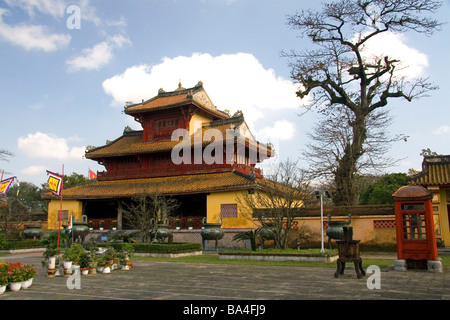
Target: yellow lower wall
[443, 202]
[363, 229]
[74, 207]
[363, 226]
[213, 203]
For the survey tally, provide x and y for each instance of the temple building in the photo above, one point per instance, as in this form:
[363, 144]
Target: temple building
[187, 149]
[435, 176]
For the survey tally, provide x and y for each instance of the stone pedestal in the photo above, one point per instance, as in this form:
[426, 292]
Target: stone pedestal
[435, 265]
[400, 265]
[432, 265]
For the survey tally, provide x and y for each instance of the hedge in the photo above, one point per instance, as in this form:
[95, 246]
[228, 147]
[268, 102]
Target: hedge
[22, 244]
[176, 247]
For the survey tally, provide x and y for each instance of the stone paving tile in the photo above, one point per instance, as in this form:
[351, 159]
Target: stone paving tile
[198, 282]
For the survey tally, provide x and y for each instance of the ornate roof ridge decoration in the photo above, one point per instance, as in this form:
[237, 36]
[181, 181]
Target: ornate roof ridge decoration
[195, 95]
[439, 159]
[236, 118]
[178, 91]
[435, 171]
[162, 93]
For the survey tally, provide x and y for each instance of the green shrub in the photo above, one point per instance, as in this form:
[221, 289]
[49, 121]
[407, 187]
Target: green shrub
[22, 244]
[156, 247]
[3, 242]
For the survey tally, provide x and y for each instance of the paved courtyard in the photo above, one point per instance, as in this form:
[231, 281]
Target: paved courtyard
[189, 282]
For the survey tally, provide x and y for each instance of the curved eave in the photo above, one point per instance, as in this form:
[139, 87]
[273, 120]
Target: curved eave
[168, 186]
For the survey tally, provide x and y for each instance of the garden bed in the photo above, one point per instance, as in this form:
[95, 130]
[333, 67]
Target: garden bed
[277, 255]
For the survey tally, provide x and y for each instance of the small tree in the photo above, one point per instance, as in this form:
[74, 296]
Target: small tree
[145, 210]
[278, 201]
[251, 235]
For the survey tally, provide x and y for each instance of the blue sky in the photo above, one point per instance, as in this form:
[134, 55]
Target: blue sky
[64, 88]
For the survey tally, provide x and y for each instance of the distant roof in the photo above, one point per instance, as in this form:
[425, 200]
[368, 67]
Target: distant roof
[435, 171]
[164, 100]
[177, 185]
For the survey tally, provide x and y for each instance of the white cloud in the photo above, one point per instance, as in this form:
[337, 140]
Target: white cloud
[441, 130]
[233, 81]
[55, 8]
[282, 130]
[96, 57]
[47, 146]
[34, 170]
[413, 62]
[32, 37]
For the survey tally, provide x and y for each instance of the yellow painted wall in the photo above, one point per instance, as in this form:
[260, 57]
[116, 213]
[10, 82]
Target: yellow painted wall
[74, 207]
[363, 229]
[213, 203]
[196, 121]
[444, 199]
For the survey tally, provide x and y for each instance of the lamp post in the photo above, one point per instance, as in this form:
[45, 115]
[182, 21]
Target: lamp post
[319, 196]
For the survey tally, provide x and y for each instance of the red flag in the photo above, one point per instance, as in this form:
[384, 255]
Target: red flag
[69, 227]
[92, 175]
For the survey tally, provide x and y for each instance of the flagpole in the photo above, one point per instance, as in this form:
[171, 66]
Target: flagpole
[60, 209]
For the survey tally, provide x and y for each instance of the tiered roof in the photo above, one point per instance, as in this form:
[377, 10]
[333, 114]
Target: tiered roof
[166, 100]
[132, 143]
[176, 185]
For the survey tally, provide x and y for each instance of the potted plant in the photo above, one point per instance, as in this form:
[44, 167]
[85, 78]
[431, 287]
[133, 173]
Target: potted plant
[30, 272]
[190, 223]
[84, 264]
[4, 277]
[100, 264]
[125, 254]
[114, 224]
[101, 224]
[92, 257]
[91, 225]
[177, 223]
[67, 258]
[52, 251]
[108, 257]
[16, 274]
[78, 253]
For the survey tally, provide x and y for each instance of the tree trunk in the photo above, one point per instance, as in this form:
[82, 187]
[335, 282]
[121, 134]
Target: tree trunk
[345, 192]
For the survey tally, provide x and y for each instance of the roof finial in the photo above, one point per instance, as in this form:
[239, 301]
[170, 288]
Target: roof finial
[180, 87]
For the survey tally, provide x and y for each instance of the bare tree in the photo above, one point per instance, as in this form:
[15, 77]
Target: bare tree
[4, 154]
[145, 210]
[277, 201]
[350, 88]
[329, 140]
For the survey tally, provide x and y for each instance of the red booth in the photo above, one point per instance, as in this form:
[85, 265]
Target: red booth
[416, 239]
